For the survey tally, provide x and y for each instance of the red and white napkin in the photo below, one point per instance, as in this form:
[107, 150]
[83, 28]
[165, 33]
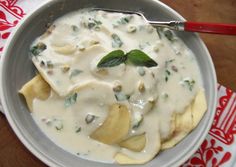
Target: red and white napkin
[218, 149]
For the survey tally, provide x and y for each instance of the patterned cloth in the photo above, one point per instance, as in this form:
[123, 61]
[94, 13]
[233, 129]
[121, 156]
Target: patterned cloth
[219, 145]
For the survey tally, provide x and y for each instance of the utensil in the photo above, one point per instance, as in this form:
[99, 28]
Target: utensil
[212, 28]
[17, 68]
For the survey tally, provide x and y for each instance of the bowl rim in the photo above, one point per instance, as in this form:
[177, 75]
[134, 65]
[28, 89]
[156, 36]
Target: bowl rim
[40, 155]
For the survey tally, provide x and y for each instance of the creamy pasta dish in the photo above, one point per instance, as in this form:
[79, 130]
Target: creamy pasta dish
[111, 88]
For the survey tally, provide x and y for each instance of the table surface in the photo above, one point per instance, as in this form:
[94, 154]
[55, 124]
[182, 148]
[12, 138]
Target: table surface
[222, 49]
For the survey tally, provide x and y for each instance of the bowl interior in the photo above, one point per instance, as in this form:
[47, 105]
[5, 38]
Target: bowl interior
[17, 69]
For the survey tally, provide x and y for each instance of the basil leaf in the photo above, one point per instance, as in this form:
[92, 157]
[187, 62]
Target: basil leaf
[112, 59]
[139, 58]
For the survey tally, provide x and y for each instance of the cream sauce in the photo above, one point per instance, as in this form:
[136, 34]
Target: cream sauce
[78, 42]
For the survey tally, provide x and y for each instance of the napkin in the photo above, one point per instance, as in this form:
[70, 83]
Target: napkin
[218, 147]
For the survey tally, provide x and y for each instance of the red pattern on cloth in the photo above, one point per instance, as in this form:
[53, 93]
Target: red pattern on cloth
[10, 14]
[218, 147]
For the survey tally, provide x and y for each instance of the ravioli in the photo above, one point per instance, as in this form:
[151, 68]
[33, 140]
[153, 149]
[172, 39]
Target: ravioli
[35, 88]
[187, 121]
[112, 88]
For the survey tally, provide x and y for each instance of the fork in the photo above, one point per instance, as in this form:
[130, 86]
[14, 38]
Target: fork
[203, 27]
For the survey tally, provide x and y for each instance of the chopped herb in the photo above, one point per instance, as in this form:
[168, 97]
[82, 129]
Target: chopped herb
[94, 24]
[169, 34]
[190, 83]
[42, 64]
[138, 122]
[89, 118]
[97, 22]
[78, 129]
[70, 100]
[37, 49]
[77, 153]
[112, 59]
[49, 64]
[167, 74]
[116, 41]
[125, 20]
[167, 62]
[75, 28]
[91, 25]
[121, 96]
[141, 71]
[166, 78]
[75, 72]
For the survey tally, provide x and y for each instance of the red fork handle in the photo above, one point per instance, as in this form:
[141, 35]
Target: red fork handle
[213, 28]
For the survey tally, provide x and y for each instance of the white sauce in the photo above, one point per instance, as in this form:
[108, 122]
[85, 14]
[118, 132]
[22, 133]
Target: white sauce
[165, 85]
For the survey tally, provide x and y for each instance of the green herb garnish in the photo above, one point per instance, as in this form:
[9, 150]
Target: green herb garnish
[49, 64]
[78, 129]
[75, 28]
[125, 20]
[190, 83]
[112, 59]
[135, 57]
[138, 123]
[139, 58]
[167, 62]
[75, 72]
[167, 74]
[94, 24]
[37, 49]
[70, 100]
[116, 41]
[169, 35]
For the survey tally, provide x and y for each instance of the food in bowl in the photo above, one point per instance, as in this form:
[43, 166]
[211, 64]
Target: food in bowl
[112, 88]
